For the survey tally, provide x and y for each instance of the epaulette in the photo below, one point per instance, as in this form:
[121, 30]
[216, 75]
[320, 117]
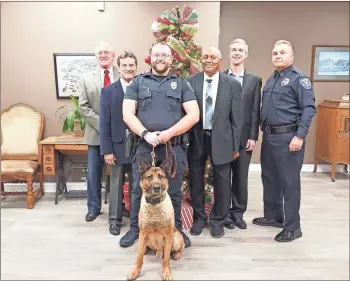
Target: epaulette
[299, 72]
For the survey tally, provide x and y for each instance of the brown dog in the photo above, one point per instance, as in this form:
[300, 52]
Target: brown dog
[156, 219]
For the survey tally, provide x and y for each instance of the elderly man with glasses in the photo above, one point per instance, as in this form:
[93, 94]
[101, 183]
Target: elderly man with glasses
[89, 102]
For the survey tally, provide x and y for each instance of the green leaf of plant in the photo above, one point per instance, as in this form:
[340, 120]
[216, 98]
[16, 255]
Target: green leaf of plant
[70, 120]
[75, 102]
[82, 123]
[65, 126]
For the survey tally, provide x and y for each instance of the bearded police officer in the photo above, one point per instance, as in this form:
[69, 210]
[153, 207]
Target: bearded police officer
[159, 108]
[288, 105]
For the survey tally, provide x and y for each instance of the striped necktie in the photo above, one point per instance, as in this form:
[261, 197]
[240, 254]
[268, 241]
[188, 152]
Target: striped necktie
[209, 106]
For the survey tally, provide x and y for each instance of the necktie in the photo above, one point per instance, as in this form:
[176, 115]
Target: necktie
[209, 106]
[237, 77]
[106, 80]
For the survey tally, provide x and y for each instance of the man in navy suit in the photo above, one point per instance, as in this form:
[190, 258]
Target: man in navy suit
[113, 137]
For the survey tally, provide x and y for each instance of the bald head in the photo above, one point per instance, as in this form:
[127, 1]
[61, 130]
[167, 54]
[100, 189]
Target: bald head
[211, 60]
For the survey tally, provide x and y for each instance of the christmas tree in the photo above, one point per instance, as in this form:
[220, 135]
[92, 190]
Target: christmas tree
[177, 29]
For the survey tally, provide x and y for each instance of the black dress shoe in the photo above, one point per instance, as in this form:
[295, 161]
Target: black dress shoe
[266, 222]
[217, 231]
[129, 238]
[91, 216]
[288, 236]
[197, 226]
[186, 239]
[229, 223]
[114, 229]
[240, 223]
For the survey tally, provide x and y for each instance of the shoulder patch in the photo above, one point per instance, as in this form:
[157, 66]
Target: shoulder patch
[306, 83]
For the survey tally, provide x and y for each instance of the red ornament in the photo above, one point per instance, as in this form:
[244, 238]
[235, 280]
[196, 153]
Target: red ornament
[148, 59]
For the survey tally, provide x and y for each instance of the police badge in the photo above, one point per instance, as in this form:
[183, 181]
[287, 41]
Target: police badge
[173, 85]
[284, 82]
[306, 83]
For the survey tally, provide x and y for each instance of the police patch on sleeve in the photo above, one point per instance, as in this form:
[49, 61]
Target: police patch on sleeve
[306, 83]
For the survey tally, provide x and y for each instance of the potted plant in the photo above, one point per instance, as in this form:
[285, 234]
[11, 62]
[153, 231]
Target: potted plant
[73, 121]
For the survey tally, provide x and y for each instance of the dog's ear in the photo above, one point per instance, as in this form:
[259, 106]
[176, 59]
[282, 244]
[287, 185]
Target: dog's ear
[166, 166]
[144, 166]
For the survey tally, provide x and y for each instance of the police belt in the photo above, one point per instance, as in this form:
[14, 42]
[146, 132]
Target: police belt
[280, 129]
[174, 141]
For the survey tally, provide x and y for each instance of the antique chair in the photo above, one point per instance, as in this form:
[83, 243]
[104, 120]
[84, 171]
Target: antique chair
[21, 131]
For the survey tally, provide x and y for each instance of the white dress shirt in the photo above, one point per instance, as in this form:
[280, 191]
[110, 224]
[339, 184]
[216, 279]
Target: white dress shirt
[110, 74]
[124, 84]
[214, 92]
[238, 77]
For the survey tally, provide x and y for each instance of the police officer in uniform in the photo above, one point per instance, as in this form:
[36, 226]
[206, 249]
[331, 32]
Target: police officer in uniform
[159, 107]
[288, 105]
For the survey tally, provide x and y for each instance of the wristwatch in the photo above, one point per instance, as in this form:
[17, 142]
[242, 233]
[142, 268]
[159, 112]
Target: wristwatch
[144, 133]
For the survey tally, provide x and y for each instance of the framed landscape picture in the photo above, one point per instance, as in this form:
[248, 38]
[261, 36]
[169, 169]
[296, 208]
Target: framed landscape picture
[330, 63]
[69, 67]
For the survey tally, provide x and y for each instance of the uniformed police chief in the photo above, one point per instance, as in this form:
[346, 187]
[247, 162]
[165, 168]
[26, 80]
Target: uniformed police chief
[288, 105]
[159, 107]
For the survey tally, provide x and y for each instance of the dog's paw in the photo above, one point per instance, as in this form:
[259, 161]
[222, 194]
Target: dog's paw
[176, 255]
[167, 274]
[133, 274]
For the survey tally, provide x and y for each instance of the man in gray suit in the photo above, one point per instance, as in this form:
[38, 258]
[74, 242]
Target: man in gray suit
[251, 91]
[89, 101]
[216, 135]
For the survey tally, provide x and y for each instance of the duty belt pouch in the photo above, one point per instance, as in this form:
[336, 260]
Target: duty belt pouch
[129, 143]
[185, 141]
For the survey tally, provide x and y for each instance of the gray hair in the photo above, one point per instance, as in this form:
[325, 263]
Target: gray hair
[215, 49]
[103, 46]
[284, 42]
[239, 40]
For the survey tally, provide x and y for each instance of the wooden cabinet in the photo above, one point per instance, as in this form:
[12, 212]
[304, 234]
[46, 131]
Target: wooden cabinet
[333, 133]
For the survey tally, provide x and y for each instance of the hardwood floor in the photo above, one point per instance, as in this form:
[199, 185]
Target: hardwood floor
[54, 242]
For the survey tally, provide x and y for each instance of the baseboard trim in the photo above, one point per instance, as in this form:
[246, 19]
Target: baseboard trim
[322, 168]
[50, 187]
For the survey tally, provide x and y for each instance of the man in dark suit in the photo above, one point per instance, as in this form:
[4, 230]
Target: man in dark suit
[113, 137]
[216, 135]
[251, 91]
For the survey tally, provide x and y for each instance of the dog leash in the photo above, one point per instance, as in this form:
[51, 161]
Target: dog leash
[168, 149]
[153, 154]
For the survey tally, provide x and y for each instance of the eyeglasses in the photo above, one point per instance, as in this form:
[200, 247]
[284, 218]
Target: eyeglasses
[160, 56]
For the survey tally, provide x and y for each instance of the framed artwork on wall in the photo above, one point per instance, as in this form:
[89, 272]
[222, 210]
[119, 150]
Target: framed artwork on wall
[69, 67]
[330, 63]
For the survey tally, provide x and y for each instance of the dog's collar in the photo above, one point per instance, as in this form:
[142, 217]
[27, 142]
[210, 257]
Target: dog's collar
[154, 200]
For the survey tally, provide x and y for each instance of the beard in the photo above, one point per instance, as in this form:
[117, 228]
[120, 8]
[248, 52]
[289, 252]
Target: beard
[160, 67]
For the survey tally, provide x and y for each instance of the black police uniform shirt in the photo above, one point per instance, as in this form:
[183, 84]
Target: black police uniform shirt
[288, 96]
[159, 101]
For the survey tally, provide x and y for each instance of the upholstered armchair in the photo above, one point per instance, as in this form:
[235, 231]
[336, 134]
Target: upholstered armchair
[21, 131]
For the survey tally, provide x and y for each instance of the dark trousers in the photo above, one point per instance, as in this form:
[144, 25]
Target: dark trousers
[174, 190]
[222, 185]
[117, 179]
[239, 185]
[94, 185]
[281, 179]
